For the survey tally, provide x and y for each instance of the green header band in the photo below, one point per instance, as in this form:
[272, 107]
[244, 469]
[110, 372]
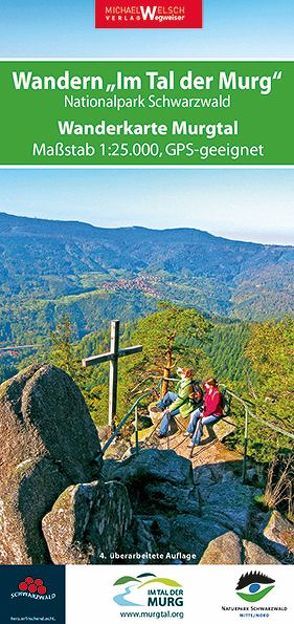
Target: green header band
[146, 113]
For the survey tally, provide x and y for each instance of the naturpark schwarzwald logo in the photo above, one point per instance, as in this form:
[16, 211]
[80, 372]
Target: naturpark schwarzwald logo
[148, 14]
[148, 590]
[253, 586]
[35, 589]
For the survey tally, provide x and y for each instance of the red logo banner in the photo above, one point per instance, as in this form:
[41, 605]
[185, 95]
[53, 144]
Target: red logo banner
[148, 13]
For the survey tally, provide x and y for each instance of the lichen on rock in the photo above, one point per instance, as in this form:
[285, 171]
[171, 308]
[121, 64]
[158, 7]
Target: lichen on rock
[48, 441]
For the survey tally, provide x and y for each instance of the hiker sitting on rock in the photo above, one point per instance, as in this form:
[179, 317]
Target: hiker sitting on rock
[188, 394]
[211, 412]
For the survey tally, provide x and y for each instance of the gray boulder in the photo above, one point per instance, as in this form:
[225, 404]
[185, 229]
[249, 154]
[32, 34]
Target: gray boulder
[48, 441]
[160, 528]
[143, 538]
[279, 534]
[209, 475]
[225, 549]
[32, 489]
[87, 523]
[231, 504]
[166, 496]
[191, 535]
[254, 555]
[154, 465]
[148, 534]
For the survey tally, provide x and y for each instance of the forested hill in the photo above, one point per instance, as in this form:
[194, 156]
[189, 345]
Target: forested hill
[82, 246]
[49, 267]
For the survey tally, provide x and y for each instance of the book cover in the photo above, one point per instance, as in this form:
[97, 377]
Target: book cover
[146, 311]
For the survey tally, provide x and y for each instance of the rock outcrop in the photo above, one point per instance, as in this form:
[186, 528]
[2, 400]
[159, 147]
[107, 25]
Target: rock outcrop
[228, 549]
[225, 549]
[157, 482]
[255, 555]
[152, 465]
[87, 523]
[61, 503]
[192, 534]
[167, 496]
[48, 442]
[279, 534]
[230, 503]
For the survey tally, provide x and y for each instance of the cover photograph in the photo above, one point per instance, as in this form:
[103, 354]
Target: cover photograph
[146, 311]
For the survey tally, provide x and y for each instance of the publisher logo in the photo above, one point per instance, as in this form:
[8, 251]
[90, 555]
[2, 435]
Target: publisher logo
[253, 586]
[148, 13]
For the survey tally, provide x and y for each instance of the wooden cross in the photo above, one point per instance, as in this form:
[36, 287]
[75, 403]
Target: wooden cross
[112, 357]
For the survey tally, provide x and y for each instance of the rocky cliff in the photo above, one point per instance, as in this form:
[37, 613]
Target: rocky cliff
[60, 502]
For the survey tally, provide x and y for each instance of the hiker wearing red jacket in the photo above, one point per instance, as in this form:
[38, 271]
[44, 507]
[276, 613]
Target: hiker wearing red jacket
[211, 413]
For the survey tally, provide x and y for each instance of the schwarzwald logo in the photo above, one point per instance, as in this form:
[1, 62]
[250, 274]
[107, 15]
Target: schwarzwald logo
[33, 588]
[254, 586]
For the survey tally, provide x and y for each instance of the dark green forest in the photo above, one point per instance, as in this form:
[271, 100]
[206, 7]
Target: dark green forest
[49, 269]
[251, 359]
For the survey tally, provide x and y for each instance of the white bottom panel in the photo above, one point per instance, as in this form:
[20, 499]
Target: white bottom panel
[186, 594]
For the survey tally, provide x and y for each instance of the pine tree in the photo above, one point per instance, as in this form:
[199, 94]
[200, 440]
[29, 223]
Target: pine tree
[63, 352]
[270, 350]
[170, 337]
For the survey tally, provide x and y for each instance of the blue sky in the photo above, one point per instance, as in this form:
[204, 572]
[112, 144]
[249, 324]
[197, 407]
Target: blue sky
[246, 204]
[64, 28]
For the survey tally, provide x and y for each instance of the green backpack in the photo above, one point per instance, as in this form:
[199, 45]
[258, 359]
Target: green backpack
[226, 402]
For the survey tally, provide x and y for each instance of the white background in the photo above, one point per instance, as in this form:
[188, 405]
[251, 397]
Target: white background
[90, 593]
